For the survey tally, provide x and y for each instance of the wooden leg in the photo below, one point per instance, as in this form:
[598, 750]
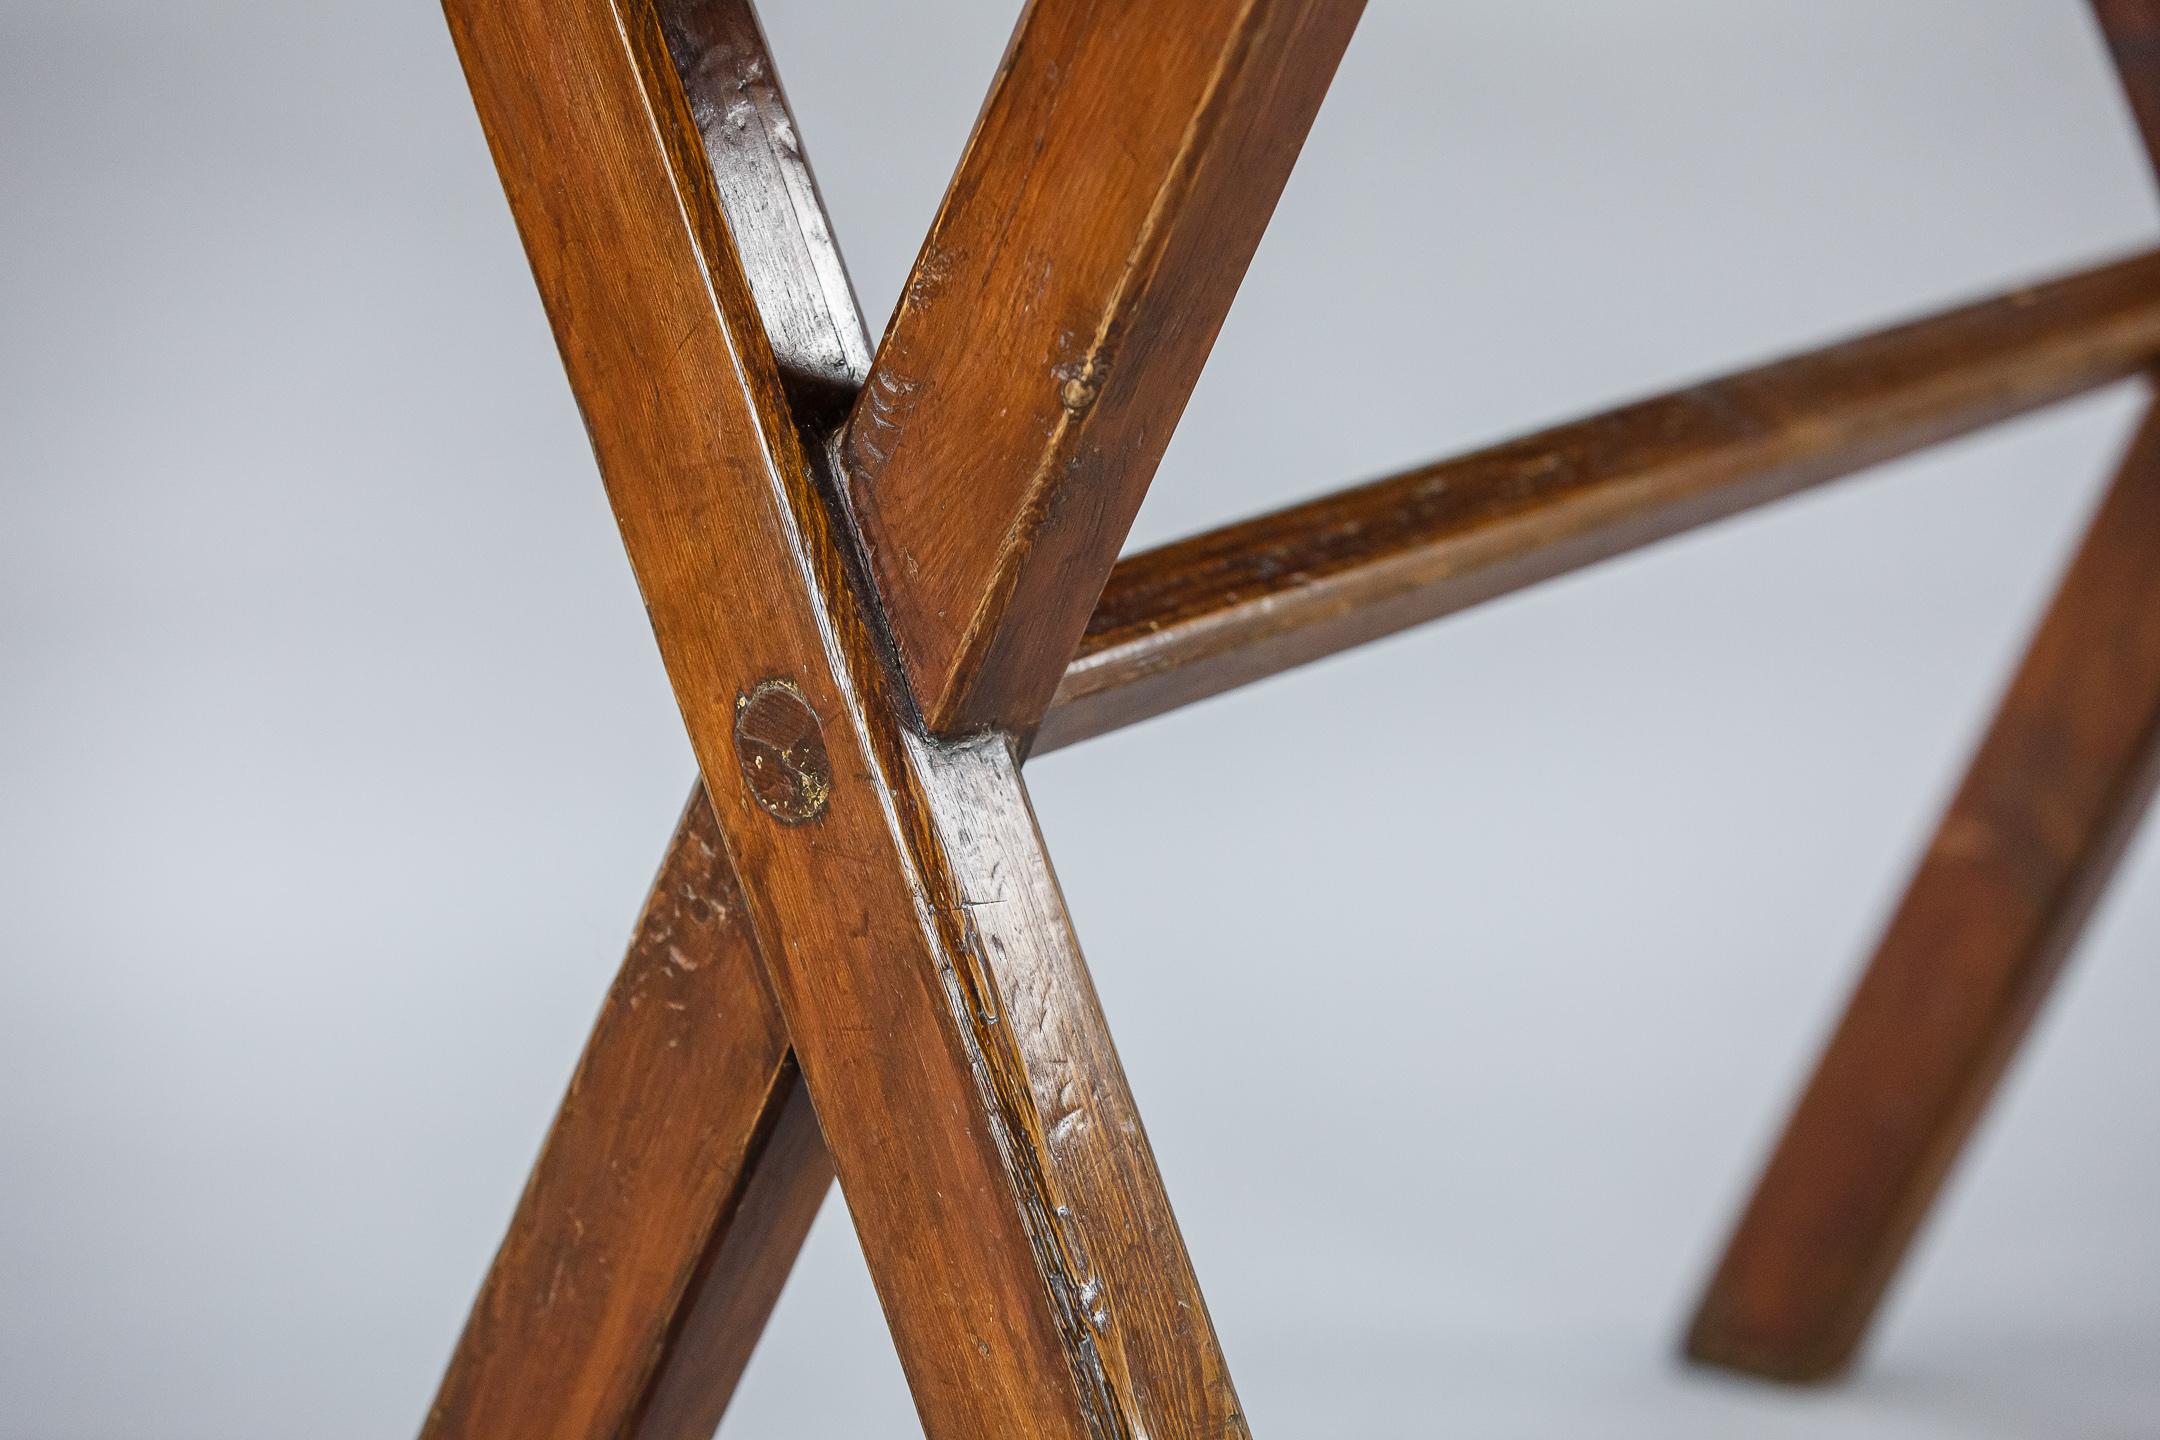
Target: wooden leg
[747, 1260]
[905, 913]
[863, 635]
[2026, 848]
[1216, 610]
[1492, 532]
[679, 1179]
[1104, 211]
[685, 1166]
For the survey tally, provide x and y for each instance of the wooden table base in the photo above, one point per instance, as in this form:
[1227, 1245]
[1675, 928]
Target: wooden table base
[880, 578]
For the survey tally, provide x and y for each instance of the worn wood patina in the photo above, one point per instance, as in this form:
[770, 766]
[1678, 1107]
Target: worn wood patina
[882, 576]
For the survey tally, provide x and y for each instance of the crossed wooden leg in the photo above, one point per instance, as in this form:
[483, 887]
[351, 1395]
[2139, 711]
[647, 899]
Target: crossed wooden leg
[872, 583]
[673, 1192]
[2025, 849]
[685, 1166]
[908, 925]
[2024, 852]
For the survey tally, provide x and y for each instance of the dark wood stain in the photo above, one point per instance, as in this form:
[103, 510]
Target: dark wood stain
[1193, 618]
[890, 968]
[1116, 185]
[2058, 786]
[995, 1169]
[2132, 30]
[2001, 895]
[685, 1166]
[1223, 609]
[761, 174]
[683, 1120]
[781, 751]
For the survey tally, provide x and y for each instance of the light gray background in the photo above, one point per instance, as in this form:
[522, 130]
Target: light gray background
[334, 753]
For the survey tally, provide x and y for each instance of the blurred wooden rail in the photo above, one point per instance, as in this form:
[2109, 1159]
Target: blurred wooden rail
[1222, 609]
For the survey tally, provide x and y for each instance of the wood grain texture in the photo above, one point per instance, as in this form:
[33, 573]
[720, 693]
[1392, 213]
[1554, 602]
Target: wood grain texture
[1117, 182]
[685, 1166]
[746, 1263]
[2027, 846]
[1220, 610]
[912, 930]
[912, 933]
[761, 176]
[1197, 617]
[674, 1162]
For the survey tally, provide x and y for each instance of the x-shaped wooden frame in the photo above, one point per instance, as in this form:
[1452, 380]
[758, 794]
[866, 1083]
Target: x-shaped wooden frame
[877, 584]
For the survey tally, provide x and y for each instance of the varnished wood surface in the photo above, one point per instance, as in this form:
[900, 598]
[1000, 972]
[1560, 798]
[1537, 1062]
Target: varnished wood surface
[2004, 888]
[912, 932]
[675, 1158]
[1117, 182]
[911, 928]
[761, 176]
[746, 1262]
[1226, 600]
[685, 1166]
[1190, 619]
[1204, 615]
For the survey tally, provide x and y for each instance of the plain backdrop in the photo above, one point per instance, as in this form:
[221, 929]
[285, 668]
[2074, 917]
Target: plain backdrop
[335, 754]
